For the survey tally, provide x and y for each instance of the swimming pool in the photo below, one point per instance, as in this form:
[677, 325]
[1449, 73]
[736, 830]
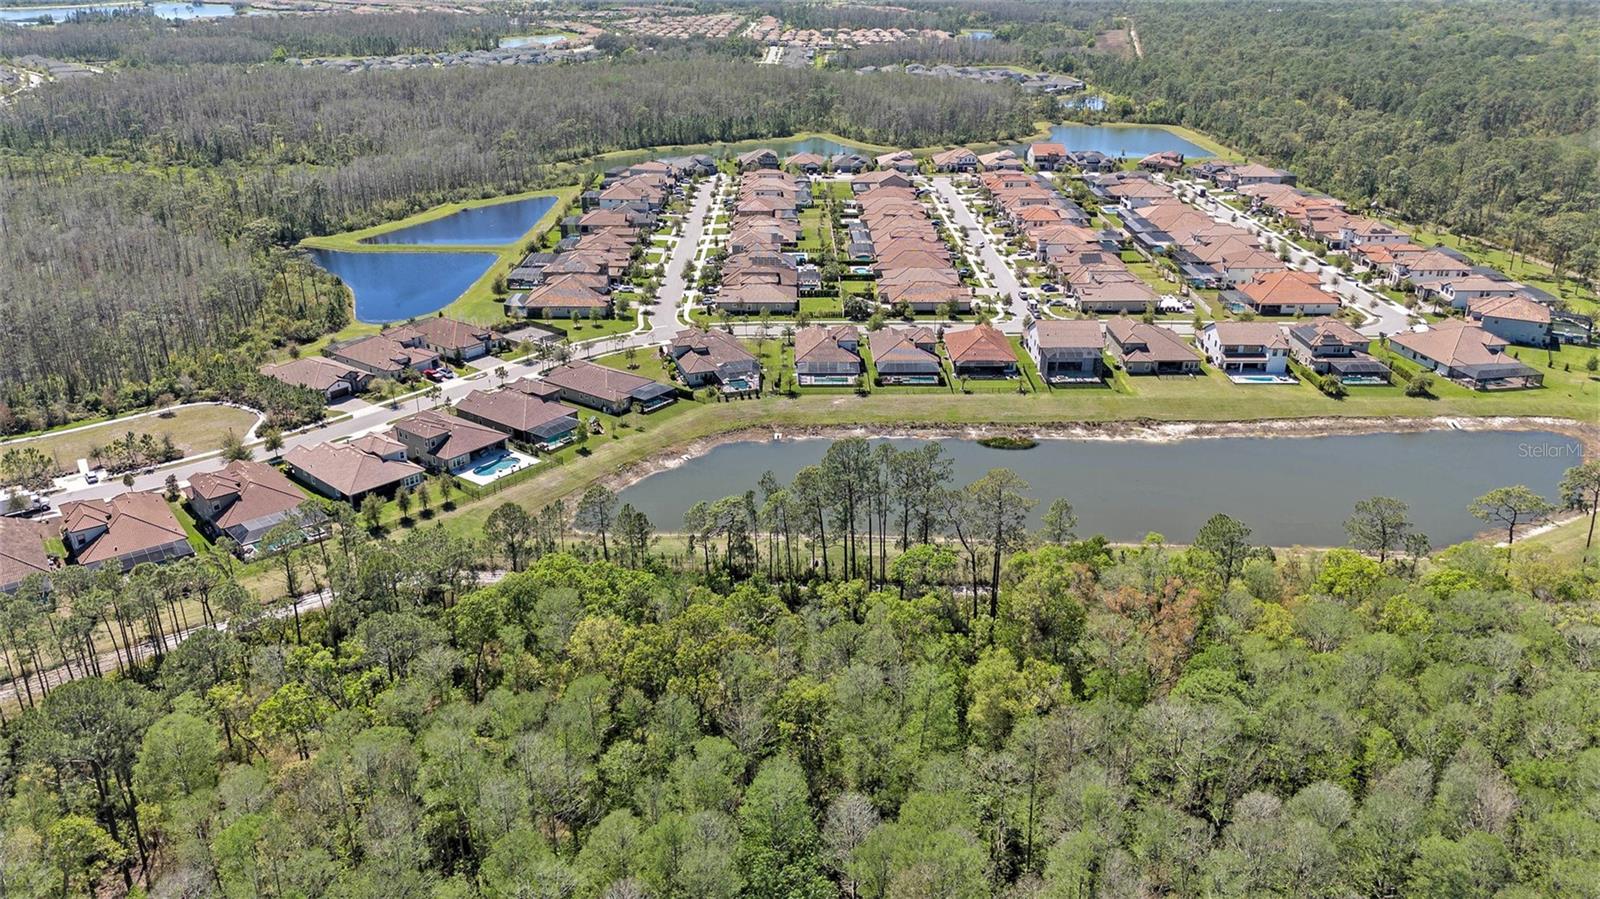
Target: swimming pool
[496, 466]
[1261, 379]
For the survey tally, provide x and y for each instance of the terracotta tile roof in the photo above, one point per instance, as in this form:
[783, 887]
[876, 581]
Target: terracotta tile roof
[383, 354]
[1287, 288]
[978, 344]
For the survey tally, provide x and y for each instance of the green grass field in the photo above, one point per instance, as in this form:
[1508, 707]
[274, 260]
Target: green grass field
[194, 429]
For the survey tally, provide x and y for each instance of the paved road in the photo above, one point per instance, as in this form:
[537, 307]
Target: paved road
[670, 299]
[1385, 316]
[1000, 273]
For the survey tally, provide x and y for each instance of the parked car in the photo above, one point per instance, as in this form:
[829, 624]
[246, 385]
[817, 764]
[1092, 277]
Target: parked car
[433, 374]
[1049, 288]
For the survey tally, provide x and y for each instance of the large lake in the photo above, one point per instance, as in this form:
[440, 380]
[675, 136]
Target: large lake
[1122, 140]
[391, 287]
[1289, 490]
[496, 223]
[160, 10]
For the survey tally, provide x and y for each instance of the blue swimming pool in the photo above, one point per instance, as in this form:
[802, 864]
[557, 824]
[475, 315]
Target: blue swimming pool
[495, 223]
[391, 287]
[1124, 140]
[497, 466]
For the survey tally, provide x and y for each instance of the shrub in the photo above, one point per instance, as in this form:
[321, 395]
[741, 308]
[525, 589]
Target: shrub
[1420, 385]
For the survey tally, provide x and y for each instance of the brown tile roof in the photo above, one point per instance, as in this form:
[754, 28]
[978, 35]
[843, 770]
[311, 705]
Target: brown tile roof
[349, 470]
[902, 345]
[980, 343]
[461, 436]
[261, 490]
[698, 349]
[1077, 334]
[597, 380]
[383, 354]
[21, 550]
[1142, 342]
[1327, 330]
[314, 372]
[1045, 148]
[449, 333]
[134, 521]
[513, 409]
[1519, 309]
[820, 343]
[565, 292]
[1453, 342]
[1262, 334]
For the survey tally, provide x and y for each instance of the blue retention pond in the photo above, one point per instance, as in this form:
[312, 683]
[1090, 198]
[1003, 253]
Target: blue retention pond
[392, 287]
[495, 223]
[1130, 140]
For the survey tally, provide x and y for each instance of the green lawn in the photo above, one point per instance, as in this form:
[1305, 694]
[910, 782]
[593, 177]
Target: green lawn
[191, 528]
[194, 429]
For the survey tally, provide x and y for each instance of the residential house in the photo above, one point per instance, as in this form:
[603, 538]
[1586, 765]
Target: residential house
[1461, 293]
[899, 161]
[827, 355]
[1163, 161]
[446, 443]
[242, 500]
[22, 553]
[1434, 265]
[906, 355]
[714, 357]
[891, 178]
[564, 296]
[1466, 353]
[1288, 293]
[350, 471]
[1046, 157]
[1329, 345]
[529, 273]
[958, 159]
[758, 159]
[383, 357]
[1146, 349]
[125, 530]
[454, 340]
[805, 163]
[1110, 292]
[752, 297]
[1092, 161]
[1516, 319]
[1235, 177]
[1246, 347]
[980, 351]
[528, 419]
[332, 379]
[1066, 352]
[848, 163]
[1000, 161]
[609, 390]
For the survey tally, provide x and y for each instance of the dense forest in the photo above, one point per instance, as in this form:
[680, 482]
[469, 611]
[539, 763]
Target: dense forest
[156, 201]
[928, 712]
[148, 40]
[1478, 116]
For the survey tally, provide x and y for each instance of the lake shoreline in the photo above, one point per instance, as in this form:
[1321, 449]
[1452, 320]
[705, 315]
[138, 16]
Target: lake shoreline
[1140, 430]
